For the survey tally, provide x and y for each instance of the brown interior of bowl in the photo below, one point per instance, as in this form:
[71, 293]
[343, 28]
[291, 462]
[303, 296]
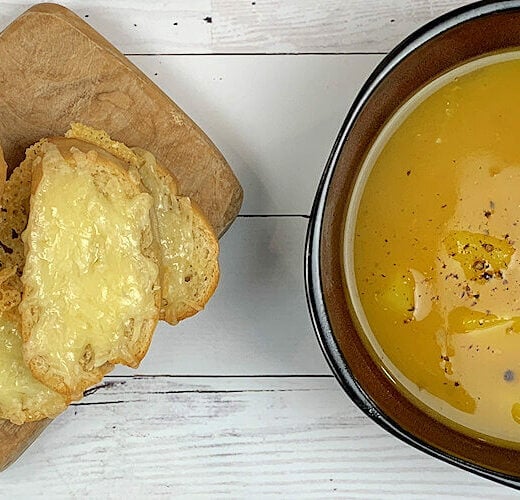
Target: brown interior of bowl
[466, 41]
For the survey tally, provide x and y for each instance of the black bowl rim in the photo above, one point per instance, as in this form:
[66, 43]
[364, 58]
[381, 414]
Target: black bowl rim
[313, 285]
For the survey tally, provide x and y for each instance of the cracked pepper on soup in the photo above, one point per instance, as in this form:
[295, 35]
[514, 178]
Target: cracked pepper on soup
[434, 234]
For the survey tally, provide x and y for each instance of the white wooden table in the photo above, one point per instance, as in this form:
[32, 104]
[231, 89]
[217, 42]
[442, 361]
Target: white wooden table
[239, 402]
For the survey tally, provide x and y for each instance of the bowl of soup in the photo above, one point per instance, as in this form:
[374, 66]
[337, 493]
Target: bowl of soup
[413, 247]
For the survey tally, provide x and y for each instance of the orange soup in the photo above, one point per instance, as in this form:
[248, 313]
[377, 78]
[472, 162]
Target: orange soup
[433, 232]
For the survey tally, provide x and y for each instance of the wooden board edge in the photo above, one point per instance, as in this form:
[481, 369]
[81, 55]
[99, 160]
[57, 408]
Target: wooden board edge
[32, 430]
[73, 20]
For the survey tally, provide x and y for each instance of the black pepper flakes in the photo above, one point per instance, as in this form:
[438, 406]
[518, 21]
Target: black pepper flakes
[479, 265]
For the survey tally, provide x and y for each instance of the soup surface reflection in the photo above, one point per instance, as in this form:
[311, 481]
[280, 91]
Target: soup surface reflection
[436, 250]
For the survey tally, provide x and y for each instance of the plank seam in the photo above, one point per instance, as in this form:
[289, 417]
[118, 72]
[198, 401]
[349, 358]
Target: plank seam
[167, 54]
[194, 391]
[165, 375]
[253, 216]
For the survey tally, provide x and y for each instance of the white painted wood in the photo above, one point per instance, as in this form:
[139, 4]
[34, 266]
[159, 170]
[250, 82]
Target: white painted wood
[222, 438]
[264, 26]
[257, 322]
[275, 118]
[328, 26]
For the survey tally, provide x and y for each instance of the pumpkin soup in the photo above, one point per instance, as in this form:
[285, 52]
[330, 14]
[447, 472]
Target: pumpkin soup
[433, 232]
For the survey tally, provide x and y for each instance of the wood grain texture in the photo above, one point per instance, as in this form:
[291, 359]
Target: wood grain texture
[320, 27]
[76, 75]
[15, 439]
[246, 26]
[211, 438]
[56, 70]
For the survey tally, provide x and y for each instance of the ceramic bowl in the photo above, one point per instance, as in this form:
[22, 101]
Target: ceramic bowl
[441, 45]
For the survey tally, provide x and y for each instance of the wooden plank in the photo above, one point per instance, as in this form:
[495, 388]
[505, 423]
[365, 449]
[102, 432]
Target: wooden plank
[234, 437]
[63, 71]
[334, 26]
[264, 26]
[275, 118]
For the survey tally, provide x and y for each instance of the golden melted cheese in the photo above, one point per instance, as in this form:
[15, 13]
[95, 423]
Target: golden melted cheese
[436, 253]
[22, 397]
[175, 234]
[85, 272]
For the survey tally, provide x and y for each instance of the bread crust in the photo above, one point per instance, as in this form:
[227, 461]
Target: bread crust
[202, 224]
[13, 220]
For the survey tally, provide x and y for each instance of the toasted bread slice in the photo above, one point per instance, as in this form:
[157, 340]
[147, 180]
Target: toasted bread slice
[14, 210]
[22, 397]
[188, 245]
[91, 293]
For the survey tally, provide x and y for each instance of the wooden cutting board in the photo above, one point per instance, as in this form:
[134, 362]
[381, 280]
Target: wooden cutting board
[55, 69]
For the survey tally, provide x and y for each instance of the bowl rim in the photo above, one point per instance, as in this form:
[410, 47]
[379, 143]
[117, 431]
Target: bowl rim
[312, 276]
